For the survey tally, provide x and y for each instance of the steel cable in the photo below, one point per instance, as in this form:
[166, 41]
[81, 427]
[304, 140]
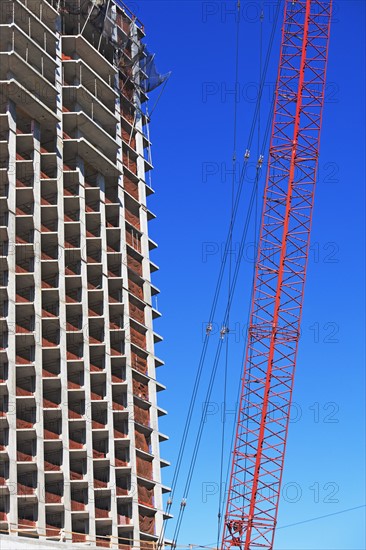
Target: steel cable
[221, 274]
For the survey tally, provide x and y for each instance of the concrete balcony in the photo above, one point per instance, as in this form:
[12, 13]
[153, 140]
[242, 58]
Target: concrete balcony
[48, 164]
[139, 359]
[155, 313]
[71, 215]
[24, 295]
[131, 186]
[96, 326]
[48, 197]
[103, 541]
[75, 47]
[136, 289]
[75, 443]
[52, 400]
[144, 460]
[102, 111]
[132, 214]
[95, 283]
[96, 425]
[130, 169]
[79, 506]
[31, 14]
[116, 322]
[158, 362]
[41, 94]
[50, 305]
[149, 190]
[72, 240]
[24, 209]
[4, 489]
[51, 338]
[112, 219]
[4, 235]
[53, 457]
[72, 204]
[52, 531]
[79, 123]
[148, 166]
[50, 281]
[25, 224]
[25, 267]
[98, 393]
[4, 392]
[134, 261]
[25, 387]
[91, 154]
[119, 402]
[76, 476]
[51, 435]
[114, 268]
[4, 122]
[26, 524]
[153, 267]
[117, 347]
[93, 230]
[157, 338]
[25, 424]
[102, 513]
[35, 21]
[28, 49]
[118, 434]
[25, 490]
[76, 410]
[49, 225]
[24, 357]
[99, 453]
[73, 295]
[101, 478]
[154, 290]
[152, 244]
[51, 368]
[24, 170]
[92, 205]
[79, 537]
[25, 457]
[4, 151]
[71, 188]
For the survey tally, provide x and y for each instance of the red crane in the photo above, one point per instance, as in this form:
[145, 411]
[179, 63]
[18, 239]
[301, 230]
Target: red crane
[274, 329]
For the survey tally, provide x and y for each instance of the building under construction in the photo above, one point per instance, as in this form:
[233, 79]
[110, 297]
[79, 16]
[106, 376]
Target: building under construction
[79, 438]
[79, 443]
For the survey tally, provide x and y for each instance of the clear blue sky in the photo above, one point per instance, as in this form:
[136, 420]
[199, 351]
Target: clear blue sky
[191, 134]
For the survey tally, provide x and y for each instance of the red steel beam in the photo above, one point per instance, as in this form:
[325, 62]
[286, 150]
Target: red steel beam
[274, 329]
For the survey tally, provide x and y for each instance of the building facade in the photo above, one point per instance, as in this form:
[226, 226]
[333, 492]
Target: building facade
[79, 437]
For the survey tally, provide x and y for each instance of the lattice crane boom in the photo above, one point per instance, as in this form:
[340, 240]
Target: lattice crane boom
[274, 329]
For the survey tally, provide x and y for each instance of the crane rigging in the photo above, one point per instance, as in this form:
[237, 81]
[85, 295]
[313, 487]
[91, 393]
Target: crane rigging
[273, 335]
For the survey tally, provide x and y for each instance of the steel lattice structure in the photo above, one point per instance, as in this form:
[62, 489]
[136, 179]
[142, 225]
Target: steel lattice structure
[274, 330]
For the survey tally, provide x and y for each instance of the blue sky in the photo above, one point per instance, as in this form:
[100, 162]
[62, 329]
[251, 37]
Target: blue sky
[191, 130]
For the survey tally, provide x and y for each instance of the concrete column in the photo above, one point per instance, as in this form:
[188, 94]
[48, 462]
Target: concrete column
[38, 326]
[12, 444]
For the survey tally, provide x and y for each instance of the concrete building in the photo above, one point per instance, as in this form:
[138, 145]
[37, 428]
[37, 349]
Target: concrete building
[79, 437]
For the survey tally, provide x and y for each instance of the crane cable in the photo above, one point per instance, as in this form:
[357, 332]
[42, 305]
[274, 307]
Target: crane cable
[255, 251]
[220, 343]
[235, 120]
[248, 318]
[189, 416]
[256, 243]
[220, 278]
